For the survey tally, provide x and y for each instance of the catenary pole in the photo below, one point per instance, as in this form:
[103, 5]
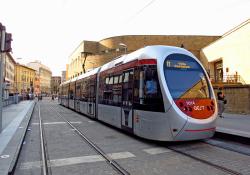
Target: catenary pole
[2, 36]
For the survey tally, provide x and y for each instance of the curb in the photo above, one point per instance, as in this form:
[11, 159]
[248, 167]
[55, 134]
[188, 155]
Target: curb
[20, 144]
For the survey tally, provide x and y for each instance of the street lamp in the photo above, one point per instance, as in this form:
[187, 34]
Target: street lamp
[124, 46]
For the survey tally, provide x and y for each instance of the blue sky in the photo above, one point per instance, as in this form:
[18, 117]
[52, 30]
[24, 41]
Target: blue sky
[49, 30]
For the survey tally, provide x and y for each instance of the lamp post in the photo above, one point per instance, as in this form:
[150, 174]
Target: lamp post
[124, 46]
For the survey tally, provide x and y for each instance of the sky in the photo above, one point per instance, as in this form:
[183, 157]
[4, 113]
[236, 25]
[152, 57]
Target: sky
[50, 30]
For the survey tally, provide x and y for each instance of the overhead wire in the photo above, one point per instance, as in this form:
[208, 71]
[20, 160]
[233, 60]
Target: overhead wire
[141, 10]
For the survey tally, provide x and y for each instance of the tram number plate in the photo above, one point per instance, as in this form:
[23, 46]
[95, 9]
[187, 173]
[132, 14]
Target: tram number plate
[199, 108]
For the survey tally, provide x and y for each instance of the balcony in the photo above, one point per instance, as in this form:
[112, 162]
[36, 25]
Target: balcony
[228, 79]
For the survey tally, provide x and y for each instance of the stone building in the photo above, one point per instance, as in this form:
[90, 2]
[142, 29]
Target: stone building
[229, 56]
[55, 83]
[63, 76]
[91, 54]
[9, 76]
[44, 76]
[37, 89]
[24, 79]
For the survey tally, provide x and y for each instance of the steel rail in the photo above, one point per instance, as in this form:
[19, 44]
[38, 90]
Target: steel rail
[112, 162]
[224, 169]
[226, 148]
[44, 157]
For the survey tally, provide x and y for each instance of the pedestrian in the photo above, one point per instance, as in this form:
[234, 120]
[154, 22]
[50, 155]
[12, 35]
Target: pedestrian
[221, 103]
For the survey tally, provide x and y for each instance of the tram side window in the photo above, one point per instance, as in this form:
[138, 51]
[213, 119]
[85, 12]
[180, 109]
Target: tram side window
[147, 93]
[84, 91]
[71, 94]
[78, 91]
[116, 78]
[110, 90]
[107, 91]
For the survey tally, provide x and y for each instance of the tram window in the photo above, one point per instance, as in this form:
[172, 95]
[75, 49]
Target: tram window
[111, 80]
[120, 79]
[126, 77]
[185, 77]
[71, 95]
[107, 80]
[147, 94]
[116, 78]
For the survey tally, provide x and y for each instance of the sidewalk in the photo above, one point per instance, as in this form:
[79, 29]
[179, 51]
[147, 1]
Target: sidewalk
[234, 124]
[15, 119]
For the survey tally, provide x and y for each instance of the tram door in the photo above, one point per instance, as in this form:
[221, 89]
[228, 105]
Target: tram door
[91, 97]
[127, 100]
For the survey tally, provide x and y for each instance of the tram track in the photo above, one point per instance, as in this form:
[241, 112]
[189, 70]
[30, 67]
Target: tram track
[219, 167]
[116, 166]
[44, 152]
[221, 144]
[225, 169]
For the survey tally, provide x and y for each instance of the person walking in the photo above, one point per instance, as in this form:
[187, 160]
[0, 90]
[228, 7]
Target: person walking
[221, 103]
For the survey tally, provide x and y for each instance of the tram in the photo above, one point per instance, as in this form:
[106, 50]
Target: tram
[157, 92]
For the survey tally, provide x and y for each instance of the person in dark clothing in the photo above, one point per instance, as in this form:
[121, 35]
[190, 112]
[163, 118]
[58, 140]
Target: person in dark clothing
[221, 103]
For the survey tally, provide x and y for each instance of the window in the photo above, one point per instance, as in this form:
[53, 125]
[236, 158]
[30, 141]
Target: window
[107, 80]
[126, 77]
[185, 78]
[120, 79]
[116, 78]
[147, 93]
[111, 80]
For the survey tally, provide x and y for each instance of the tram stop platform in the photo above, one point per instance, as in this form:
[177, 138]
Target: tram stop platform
[15, 120]
[234, 124]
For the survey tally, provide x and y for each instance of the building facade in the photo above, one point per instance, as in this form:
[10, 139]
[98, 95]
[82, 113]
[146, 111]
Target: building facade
[9, 76]
[44, 77]
[37, 90]
[55, 83]
[45, 80]
[91, 54]
[24, 79]
[228, 57]
[63, 76]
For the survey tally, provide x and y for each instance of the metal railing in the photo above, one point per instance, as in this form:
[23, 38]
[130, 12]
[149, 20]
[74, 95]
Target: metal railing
[228, 79]
[13, 100]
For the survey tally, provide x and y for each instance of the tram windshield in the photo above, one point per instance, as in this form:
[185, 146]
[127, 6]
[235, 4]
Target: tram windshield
[185, 77]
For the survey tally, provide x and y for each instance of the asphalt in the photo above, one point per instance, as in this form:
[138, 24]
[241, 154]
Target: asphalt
[16, 118]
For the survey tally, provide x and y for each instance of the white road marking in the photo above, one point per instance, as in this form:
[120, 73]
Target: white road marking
[76, 160]
[55, 123]
[154, 151]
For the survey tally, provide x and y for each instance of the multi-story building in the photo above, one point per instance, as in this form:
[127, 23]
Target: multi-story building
[44, 76]
[45, 80]
[37, 90]
[228, 57]
[91, 54]
[9, 76]
[24, 79]
[55, 83]
[63, 76]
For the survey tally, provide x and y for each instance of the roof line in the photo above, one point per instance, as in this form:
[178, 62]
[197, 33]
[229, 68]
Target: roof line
[229, 32]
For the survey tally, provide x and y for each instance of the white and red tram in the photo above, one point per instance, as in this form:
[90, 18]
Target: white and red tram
[157, 92]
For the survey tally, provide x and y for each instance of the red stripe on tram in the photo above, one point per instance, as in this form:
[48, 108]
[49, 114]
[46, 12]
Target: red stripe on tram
[148, 61]
[200, 130]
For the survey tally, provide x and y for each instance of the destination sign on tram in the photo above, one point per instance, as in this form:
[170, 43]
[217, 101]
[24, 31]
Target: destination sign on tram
[179, 64]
